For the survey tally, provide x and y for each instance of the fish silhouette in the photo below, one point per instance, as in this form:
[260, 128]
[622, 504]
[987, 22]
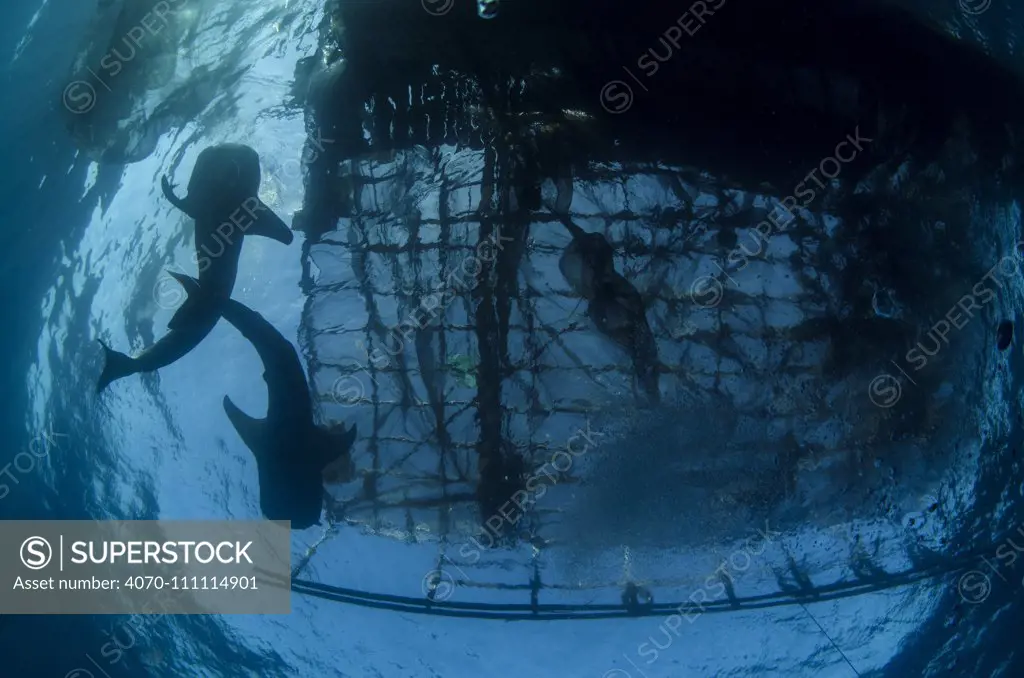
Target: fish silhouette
[291, 452]
[614, 304]
[222, 199]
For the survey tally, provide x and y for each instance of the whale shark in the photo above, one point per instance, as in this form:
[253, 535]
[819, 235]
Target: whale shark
[614, 304]
[222, 199]
[292, 453]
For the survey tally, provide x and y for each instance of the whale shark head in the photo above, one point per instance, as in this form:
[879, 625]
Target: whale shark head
[224, 185]
[291, 496]
[223, 176]
[293, 462]
[292, 489]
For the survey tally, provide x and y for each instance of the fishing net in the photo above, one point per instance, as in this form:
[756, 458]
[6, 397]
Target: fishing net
[797, 409]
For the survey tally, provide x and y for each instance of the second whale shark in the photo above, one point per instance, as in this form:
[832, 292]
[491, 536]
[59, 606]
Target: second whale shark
[614, 304]
[223, 200]
[292, 453]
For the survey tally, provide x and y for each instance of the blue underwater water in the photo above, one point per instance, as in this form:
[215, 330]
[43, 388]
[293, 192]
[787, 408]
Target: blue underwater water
[82, 247]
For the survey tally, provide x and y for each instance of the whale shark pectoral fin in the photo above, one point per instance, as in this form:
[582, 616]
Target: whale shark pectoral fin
[252, 431]
[265, 222]
[181, 317]
[180, 203]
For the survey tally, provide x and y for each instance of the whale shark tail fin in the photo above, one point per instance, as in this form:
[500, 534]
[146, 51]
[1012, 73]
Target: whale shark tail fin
[116, 365]
[186, 311]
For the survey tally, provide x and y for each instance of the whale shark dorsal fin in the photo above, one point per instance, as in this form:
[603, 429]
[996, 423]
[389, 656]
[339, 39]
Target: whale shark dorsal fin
[252, 431]
[191, 285]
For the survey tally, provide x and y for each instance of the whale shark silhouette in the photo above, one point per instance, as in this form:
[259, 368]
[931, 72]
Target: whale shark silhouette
[614, 304]
[222, 199]
[291, 451]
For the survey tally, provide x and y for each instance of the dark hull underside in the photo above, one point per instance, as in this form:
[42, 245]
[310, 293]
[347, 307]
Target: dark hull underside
[759, 92]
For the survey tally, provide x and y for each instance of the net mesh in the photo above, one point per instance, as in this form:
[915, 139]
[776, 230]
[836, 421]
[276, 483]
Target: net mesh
[765, 386]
